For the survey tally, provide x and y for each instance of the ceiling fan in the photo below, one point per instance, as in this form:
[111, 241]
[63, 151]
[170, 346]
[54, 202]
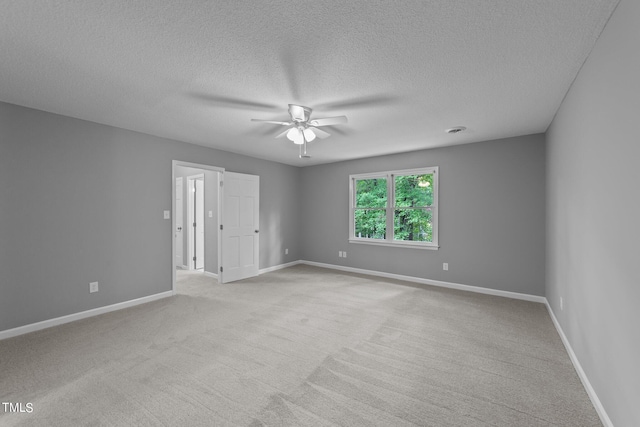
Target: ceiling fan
[302, 129]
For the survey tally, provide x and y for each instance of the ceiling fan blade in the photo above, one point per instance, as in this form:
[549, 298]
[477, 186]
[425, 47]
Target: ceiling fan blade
[338, 130]
[328, 121]
[363, 101]
[320, 133]
[280, 135]
[235, 102]
[272, 122]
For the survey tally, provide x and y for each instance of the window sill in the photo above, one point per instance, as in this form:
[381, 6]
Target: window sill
[394, 244]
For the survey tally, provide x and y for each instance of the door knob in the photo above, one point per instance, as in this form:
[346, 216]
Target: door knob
[179, 228]
[257, 231]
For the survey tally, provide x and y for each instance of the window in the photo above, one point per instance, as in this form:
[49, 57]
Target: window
[395, 208]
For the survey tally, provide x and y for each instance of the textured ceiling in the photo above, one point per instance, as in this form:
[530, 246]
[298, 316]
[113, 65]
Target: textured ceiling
[198, 70]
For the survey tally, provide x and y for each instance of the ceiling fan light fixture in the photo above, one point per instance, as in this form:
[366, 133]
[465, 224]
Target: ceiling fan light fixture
[295, 135]
[309, 135]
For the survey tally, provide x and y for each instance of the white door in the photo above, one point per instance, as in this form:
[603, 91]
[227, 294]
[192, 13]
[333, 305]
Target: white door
[179, 223]
[240, 226]
[199, 231]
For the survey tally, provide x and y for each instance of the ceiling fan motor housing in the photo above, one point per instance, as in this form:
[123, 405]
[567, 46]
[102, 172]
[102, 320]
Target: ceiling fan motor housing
[299, 113]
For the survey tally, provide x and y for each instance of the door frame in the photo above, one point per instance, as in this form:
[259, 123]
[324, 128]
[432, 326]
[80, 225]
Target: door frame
[191, 218]
[175, 225]
[220, 171]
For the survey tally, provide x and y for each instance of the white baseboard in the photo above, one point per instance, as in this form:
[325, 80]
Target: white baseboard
[595, 400]
[279, 267]
[209, 274]
[21, 330]
[477, 289]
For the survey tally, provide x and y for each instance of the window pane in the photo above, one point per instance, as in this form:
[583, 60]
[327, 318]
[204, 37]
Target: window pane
[370, 223]
[413, 225]
[371, 193]
[413, 190]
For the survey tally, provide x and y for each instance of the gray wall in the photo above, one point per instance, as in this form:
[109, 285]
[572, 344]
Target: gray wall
[83, 202]
[593, 211]
[492, 222]
[211, 224]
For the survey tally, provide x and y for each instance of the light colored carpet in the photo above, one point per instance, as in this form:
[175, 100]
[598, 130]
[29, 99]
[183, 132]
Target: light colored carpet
[303, 346]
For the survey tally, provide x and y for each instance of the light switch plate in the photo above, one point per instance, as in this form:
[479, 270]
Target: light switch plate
[167, 214]
[93, 287]
[210, 214]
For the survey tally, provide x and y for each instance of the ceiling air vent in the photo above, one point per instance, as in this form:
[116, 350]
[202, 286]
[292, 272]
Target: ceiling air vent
[456, 129]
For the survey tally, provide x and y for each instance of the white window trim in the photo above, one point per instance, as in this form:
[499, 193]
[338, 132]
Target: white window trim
[388, 241]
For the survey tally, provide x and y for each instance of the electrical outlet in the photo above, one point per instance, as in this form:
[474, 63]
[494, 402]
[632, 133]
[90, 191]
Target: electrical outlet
[286, 251]
[445, 266]
[93, 287]
[561, 304]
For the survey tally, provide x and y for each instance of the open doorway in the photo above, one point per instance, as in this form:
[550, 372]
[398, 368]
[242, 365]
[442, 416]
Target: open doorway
[195, 213]
[236, 207]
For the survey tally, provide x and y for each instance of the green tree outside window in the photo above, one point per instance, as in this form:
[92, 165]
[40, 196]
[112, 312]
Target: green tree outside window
[402, 200]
